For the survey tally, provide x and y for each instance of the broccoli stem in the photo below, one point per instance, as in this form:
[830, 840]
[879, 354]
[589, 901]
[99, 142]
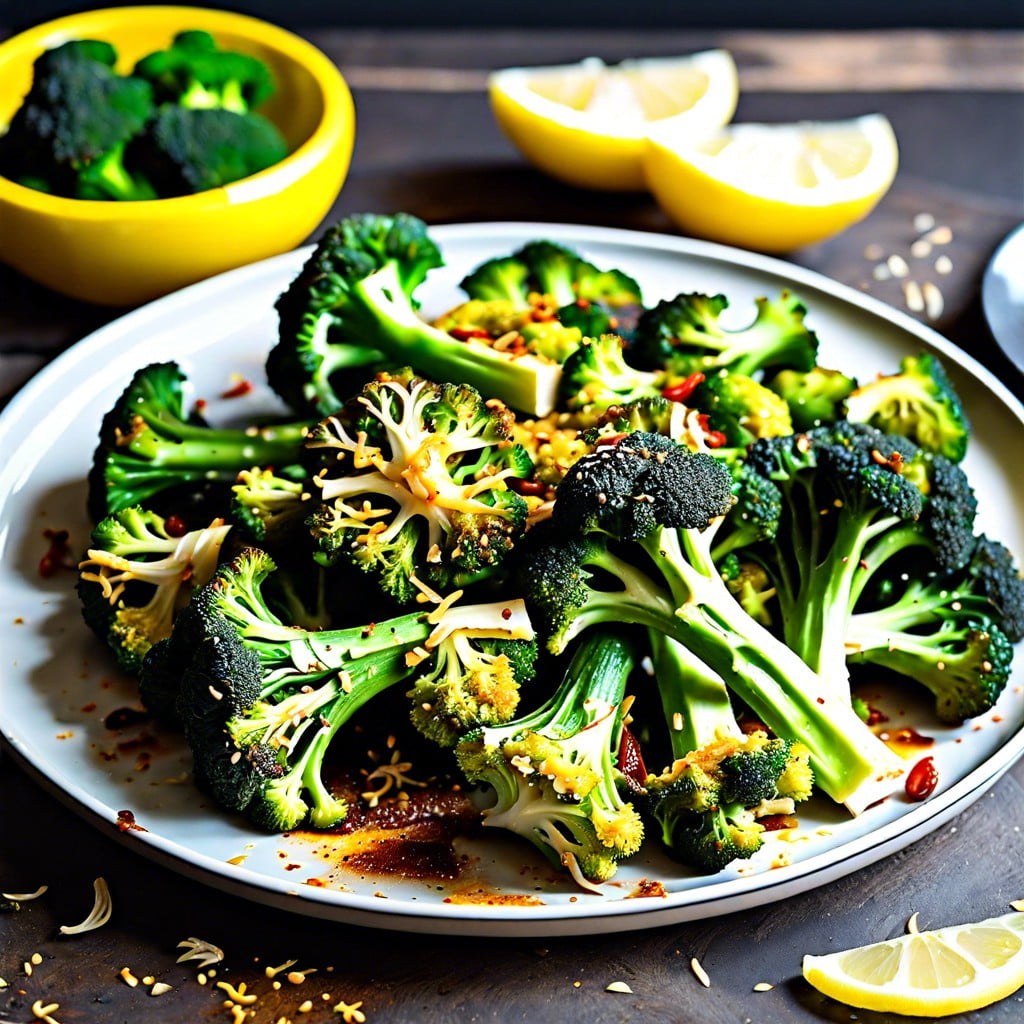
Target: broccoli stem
[525, 382]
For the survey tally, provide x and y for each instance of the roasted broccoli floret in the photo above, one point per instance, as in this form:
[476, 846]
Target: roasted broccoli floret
[597, 376]
[948, 632]
[194, 72]
[137, 575]
[685, 333]
[553, 771]
[919, 402]
[630, 540]
[262, 701]
[149, 444]
[418, 485]
[70, 133]
[708, 803]
[269, 509]
[857, 507]
[353, 300]
[814, 397]
[740, 408]
[579, 294]
[184, 150]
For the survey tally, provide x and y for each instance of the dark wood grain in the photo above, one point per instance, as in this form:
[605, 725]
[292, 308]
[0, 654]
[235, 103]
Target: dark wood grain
[427, 144]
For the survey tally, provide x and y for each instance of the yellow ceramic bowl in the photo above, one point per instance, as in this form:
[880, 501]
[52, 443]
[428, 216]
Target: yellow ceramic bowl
[124, 253]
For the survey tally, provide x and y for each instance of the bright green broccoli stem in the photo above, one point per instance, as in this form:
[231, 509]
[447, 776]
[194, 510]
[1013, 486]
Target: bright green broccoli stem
[525, 382]
[285, 801]
[108, 178]
[850, 763]
[695, 700]
[814, 621]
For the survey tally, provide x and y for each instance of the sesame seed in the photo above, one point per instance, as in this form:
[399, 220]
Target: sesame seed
[943, 264]
[37, 959]
[677, 722]
[923, 222]
[160, 988]
[619, 986]
[921, 249]
[763, 986]
[873, 252]
[897, 265]
[913, 297]
[941, 235]
[912, 928]
[881, 272]
[933, 301]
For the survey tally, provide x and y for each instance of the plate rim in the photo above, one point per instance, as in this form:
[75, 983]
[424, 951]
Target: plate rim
[549, 919]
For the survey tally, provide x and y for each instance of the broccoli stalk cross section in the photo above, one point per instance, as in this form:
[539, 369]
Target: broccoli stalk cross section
[647, 501]
[553, 770]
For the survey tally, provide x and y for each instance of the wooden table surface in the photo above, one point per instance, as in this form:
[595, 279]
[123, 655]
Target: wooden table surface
[427, 144]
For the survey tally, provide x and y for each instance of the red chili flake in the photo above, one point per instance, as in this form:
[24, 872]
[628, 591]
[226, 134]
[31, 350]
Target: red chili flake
[715, 439]
[631, 759]
[611, 439]
[922, 780]
[684, 389]
[820, 700]
[200, 405]
[175, 526]
[58, 555]
[777, 822]
[875, 717]
[465, 333]
[126, 822]
[527, 488]
[506, 613]
[243, 387]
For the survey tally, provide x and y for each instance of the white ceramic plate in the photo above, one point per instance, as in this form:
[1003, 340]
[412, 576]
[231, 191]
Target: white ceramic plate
[57, 684]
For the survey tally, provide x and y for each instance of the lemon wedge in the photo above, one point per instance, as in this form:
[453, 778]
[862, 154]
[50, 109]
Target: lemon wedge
[927, 974]
[585, 123]
[773, 187]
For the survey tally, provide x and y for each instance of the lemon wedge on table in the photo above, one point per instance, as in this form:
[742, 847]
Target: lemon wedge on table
[927, 974]
[585, 123]
[773, 187]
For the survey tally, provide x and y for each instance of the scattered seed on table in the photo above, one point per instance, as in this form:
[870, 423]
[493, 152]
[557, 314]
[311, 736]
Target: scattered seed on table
[873, 252]
[923, 222]
[921, 248]
[702, 975]
[913, 297]
[933, 301]
[943, 264]
[897, 265]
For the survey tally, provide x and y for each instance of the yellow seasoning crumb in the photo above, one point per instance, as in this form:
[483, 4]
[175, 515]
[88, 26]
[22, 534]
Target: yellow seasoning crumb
[42, 1012]
[201, 978]
[276, 985]
[37, 959]
[273, 972]
[298, 977]
[27, 967]
[763, 986]
[577, 984]
[238, 1013]
[618, 986]
[350, 1012]
[128, 978]
[702, 975]
[160, 988]
[237, 995]
[148, 979]
[306, 1006]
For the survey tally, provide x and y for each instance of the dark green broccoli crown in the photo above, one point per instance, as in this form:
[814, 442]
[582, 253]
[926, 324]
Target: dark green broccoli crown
[920, 402]
[949, 511]
[685, 333]
[193, 72]
[318, 358]
[645, 481]
[596, 376]
[755, 516]
[814, 397]
[78, 111]
[187, 150]
[996, 578]
[751, 776]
